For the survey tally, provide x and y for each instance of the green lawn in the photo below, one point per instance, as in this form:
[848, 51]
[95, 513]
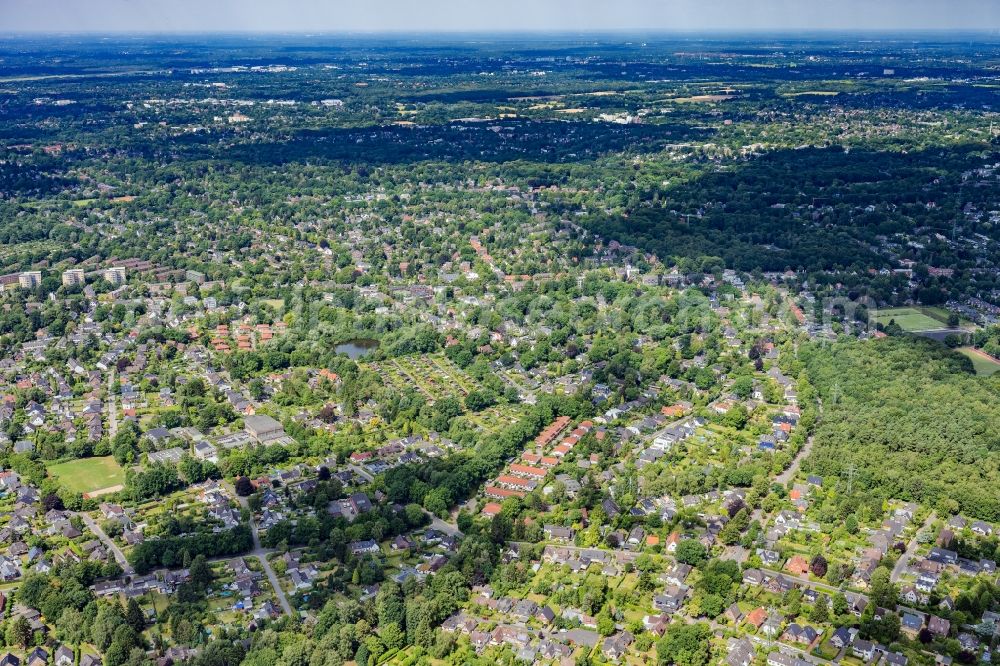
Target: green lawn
[88, 474]
[942, 314]
[909, 319]
[984, 365]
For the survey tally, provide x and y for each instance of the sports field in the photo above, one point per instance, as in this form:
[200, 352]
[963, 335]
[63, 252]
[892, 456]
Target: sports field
[909, 319]
[984, 364]
[88, 475]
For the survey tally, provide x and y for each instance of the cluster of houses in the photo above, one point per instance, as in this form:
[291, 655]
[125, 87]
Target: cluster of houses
[926, 571]
[39, 656]
[529, 630]
[245, 336]
[58, 536]
[520, 478]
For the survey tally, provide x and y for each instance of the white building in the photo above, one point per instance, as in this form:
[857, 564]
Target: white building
[73, 276]
[115, 275]
[30, 279]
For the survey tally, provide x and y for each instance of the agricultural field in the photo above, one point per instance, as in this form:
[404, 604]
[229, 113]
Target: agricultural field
[89, 475]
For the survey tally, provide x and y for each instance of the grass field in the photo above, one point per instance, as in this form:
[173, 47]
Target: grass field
[88, 474]
[984, 365]
[909, 319]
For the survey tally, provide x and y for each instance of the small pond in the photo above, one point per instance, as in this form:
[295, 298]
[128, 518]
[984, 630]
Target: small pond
[357, 348]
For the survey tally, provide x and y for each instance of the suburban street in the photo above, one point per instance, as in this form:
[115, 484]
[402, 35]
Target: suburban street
[261, 554]
[793, 469]
[911, 548]
[784, 648]
[362, 472]
[442, 526]
[789, 473]
[823, 587]
[96, 529]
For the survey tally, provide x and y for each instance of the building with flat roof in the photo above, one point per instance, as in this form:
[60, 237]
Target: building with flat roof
[30, 279]
[115, 275]
[172, 455]
[73, 276]
[263, 428]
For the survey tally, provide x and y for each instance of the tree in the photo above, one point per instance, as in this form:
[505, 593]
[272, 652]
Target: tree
[887, 629]
[691, 551]
[605, 624]
[418, 626]
[478, 400]
[361, 657]
[72, 626]
[820, 611]
[685, 645]
[389, 605]
[257, 389]
[792, 602]
[19, 632]
[743, 387]
[953, 340]
[201, 573]
[818, 566]
[737, 417]
[883, 593]
[124, 641]
[730, 534]
[437, 501]
[712, 605]
[243, 486]
[109, 618]
[52, 501]
[851, 524]
[134, 616]
[840, 604]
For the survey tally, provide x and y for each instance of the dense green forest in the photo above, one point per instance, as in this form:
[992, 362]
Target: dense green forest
[808, 208]
[911, 420]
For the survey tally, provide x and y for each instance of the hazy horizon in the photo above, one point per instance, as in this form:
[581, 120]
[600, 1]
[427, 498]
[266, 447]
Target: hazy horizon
[516, 16]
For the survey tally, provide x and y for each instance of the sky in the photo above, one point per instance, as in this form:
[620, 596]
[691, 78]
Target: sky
[103, 16]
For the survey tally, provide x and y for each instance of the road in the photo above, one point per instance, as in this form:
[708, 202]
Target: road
[807, 448]
[786, 476]
[362, 472]
[823, 587]
[115, 550]
[810, 583]
[442, 526]
[112, 405]
[830, 589]
[789, 473]
[784, 648]
[904, 560]
[261, 554]
[793, 469]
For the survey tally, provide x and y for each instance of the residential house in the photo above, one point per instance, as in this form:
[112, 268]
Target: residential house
[863, 649]
[615, 647]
